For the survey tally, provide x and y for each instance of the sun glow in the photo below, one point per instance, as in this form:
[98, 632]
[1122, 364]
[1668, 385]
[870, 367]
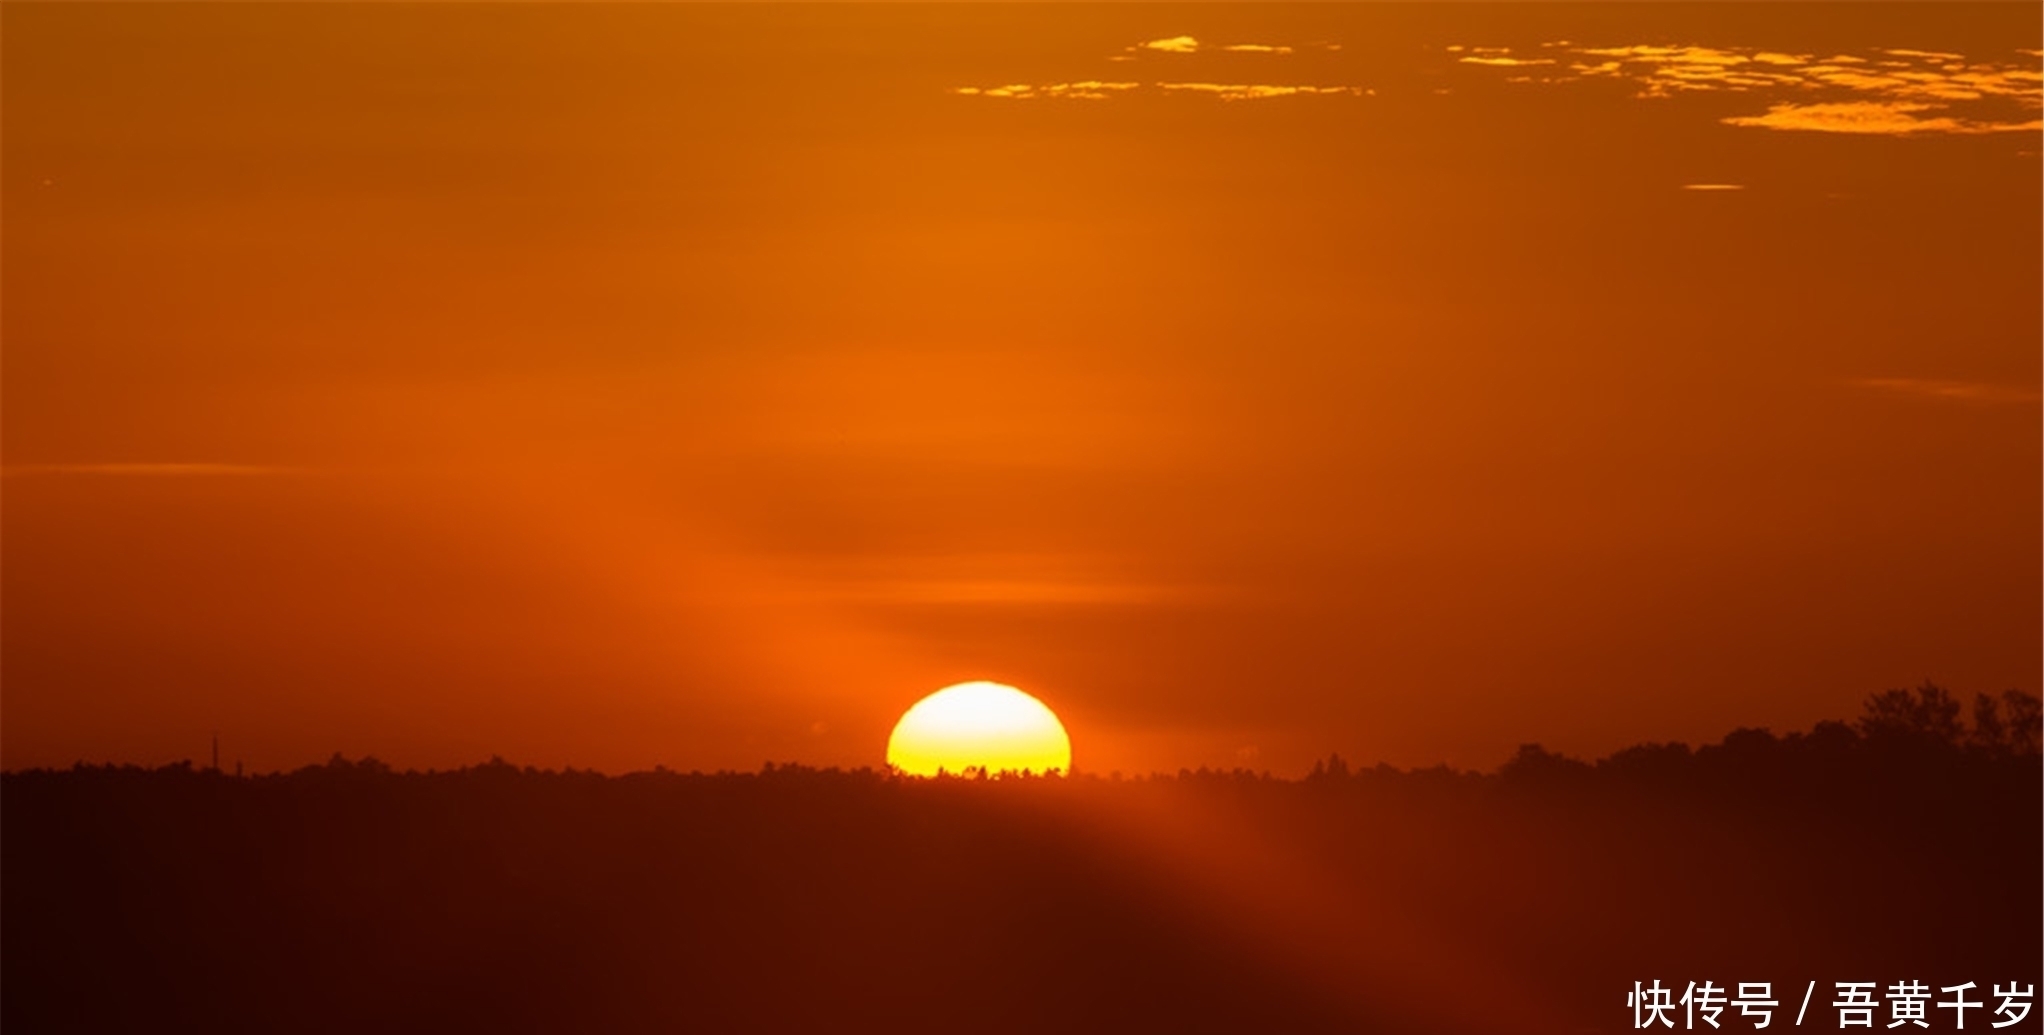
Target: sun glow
[979, 725]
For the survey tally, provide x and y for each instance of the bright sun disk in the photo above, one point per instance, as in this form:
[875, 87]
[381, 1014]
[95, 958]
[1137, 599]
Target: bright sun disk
[979, 725]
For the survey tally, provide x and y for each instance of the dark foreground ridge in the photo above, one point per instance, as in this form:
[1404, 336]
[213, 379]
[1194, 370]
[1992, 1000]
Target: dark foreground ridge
[350, 898]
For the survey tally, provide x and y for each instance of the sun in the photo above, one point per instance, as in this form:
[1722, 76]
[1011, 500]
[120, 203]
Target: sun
[979, 725]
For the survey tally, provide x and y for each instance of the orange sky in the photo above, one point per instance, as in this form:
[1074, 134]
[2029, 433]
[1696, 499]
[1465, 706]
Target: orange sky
[620, 385]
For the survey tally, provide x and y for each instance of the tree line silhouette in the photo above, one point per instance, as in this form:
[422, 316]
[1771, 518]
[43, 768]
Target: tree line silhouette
[347, 896]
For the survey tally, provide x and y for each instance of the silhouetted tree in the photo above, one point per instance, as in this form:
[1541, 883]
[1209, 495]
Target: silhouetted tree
[1990, 734]
[1926, 715]
[2022, 718]
[1655, 762]
[1535, 764]
[1333, 767]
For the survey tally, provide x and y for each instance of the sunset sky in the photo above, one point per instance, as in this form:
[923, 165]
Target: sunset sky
[614, 386]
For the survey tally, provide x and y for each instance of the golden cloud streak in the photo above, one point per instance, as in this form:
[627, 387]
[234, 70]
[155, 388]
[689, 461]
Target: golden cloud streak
[1893, 92]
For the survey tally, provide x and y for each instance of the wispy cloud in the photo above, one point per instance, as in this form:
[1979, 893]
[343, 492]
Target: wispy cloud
[1192, 45]
[1170, 45]
[984, 580]
[1172, 48]
[1938, 55]
[1713, 186]
[1504, 62]
[1086, 90]
[1954, 391]
[1094, 91]
[1892, 91]
[996, 591]
[1888, 118]
[1678, 58]
[152, 470]
[1261, 91]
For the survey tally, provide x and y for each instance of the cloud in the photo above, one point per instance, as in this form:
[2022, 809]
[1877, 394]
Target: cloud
[1955, 391]
[1087, 90]
[1191, 45]
[998, 591]
[1938, 55]
[1713, 186]
[1674, 56]
[1094, 91]
[1888, 118]
[984, 579]
[1261, 91]
[149, 470]
[1891, 92]
[1171, 45]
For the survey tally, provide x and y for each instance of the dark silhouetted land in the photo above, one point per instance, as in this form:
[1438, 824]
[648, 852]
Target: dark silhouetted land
[350, 898]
